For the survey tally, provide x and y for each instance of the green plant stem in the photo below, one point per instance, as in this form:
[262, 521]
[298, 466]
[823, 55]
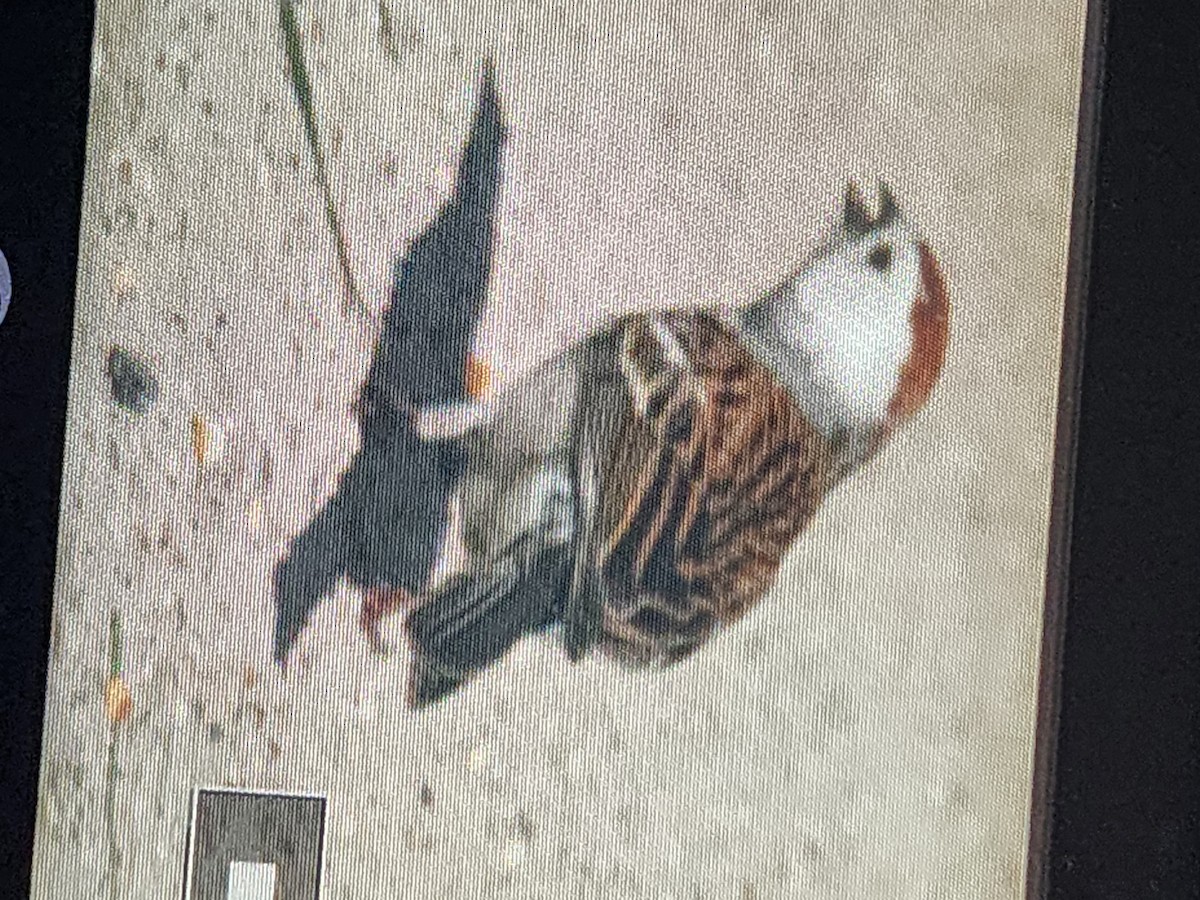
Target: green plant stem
[302, 85]
[115, 661]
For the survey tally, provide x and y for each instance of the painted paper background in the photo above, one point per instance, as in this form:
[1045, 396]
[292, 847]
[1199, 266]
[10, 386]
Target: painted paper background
[868, 732]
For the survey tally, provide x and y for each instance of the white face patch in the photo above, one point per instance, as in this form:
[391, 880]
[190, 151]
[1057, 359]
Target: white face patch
[840, 332]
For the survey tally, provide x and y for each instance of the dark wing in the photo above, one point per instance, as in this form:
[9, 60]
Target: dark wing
[611, 448]
[712, 487]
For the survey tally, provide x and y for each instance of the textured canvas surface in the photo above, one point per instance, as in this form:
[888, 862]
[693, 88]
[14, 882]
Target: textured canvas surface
[867, 732]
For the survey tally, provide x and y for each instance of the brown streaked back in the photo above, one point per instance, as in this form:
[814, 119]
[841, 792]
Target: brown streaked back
[706, 495]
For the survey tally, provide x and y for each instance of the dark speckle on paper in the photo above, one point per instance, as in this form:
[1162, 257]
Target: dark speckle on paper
[133, 385]
[524, 826]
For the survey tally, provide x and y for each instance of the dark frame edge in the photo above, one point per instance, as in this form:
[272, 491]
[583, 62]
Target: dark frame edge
[47, 109]
[1041, 821]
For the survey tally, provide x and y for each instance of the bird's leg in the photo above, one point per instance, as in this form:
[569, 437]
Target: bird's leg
[378, 604]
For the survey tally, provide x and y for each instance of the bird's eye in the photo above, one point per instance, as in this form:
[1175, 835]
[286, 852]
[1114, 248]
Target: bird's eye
[880, 257]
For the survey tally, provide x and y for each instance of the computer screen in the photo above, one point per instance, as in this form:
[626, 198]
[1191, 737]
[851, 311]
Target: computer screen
[530, 449]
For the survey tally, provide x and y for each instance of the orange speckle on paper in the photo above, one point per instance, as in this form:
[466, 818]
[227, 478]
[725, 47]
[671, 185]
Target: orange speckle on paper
[200, 440]
[479, 376]
[254, 516]
[123, 281]
[207, 439]
[117, 700]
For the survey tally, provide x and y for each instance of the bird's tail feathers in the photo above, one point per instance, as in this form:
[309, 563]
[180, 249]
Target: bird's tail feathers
[474, 619]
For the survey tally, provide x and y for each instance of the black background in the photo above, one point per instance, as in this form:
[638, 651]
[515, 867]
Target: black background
[1125, 786]
[1125, 797]
[45, 57]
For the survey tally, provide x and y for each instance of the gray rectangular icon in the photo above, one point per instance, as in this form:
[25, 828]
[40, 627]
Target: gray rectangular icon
[252, 845]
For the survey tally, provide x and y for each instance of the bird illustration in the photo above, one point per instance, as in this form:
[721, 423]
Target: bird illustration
[637, 492]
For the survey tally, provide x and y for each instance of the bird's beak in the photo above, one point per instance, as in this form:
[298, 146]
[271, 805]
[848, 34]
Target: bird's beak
[856, 216]
[888, 210]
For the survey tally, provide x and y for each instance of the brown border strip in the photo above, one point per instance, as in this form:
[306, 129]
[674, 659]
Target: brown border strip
[1066, 439]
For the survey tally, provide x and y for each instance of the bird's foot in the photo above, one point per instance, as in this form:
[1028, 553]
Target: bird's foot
[378, 604]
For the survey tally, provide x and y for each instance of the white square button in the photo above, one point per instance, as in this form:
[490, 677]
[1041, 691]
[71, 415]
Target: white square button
[251, 881]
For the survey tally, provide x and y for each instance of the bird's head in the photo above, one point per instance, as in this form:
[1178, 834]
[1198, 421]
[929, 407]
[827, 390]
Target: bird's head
[859, 332]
